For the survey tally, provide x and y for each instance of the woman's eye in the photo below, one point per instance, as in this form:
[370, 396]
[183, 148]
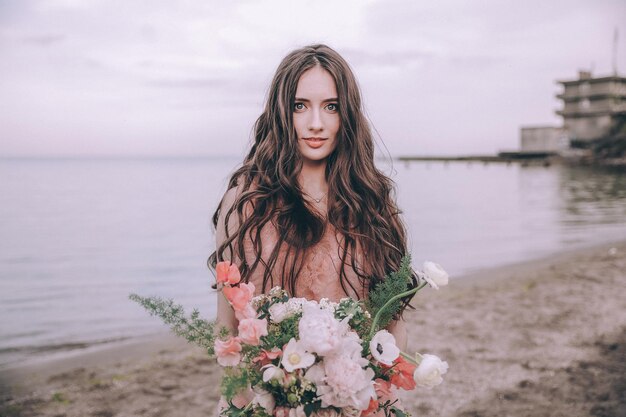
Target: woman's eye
[332, 107]
[298, 106]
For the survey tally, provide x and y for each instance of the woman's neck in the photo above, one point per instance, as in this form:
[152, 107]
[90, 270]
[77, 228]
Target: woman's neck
[312, 180]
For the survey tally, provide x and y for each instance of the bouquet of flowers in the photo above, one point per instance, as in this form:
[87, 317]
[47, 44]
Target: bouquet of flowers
[294, 357]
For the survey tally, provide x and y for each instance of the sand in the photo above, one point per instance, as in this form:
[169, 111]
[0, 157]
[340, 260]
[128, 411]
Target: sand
[540, 338]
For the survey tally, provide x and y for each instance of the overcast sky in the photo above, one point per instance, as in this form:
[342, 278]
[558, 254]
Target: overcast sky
[156, 77]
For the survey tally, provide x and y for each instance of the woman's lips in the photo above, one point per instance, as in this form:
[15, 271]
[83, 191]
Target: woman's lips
[315, 142]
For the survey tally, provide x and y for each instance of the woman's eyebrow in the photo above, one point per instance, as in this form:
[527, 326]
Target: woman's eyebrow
[323, 101]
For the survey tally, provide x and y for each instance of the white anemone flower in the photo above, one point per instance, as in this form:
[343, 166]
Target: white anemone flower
[435, 275]
[296, 357]
[383, 347]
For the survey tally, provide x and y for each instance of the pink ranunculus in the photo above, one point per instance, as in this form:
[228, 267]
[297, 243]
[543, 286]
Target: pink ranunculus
[228, 351]
[251, 330]
[239, 296]
[227, 273]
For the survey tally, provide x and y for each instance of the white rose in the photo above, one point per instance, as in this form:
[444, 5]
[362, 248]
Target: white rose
[265, 399]
[383, 347]
[428, 373]
[279, 312]
[435, 275]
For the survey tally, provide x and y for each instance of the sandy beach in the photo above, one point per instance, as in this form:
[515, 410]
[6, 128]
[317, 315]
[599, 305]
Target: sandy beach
[539, 338]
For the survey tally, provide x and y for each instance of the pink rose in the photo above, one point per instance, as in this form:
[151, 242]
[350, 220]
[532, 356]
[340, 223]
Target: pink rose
[227, 273]
[228, 351]
[251, 330]
[239, 296]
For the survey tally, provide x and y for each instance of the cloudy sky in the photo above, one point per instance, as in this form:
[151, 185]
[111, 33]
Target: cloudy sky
[156, 77]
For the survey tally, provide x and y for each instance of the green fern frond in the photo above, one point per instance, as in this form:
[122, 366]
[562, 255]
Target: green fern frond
[394, 283]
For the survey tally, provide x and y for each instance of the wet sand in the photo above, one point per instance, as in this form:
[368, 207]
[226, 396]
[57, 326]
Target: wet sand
[539, 338]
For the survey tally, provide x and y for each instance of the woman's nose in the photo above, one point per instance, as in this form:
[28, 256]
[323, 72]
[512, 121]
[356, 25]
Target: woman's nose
[315, 122]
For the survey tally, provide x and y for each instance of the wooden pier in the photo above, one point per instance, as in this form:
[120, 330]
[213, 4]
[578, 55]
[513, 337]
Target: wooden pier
[524, 158]
[500, 157]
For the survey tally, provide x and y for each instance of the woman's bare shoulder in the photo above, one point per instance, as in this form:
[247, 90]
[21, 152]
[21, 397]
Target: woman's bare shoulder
[234, 193]
[232, 197]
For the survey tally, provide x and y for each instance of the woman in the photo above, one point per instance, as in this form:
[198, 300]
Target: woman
[308, 210]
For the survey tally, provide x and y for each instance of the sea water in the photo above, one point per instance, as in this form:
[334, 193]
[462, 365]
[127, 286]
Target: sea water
[79, 235]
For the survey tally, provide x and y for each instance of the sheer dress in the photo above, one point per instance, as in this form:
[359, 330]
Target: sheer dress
[319, 276]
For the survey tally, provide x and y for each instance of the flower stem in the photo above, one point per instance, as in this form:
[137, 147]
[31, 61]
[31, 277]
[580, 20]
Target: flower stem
[411, 358]
[388, 303]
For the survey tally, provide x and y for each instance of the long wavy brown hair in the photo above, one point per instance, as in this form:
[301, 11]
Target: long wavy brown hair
[361, 198]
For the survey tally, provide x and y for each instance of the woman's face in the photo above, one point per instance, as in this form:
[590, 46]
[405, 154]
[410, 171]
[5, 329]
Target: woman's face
[316, 115]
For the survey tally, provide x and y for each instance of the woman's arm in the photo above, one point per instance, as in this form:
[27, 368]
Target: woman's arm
[398, 329]
[225, 313]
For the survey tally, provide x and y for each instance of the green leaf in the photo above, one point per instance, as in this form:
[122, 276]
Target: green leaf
[399, 413]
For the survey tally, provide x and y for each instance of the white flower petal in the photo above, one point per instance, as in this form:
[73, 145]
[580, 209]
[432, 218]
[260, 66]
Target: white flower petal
[383, 347]
[435, 275]
[296, 357]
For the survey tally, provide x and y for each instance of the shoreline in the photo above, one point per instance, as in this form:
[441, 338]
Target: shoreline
[136, 346]
[505, 331]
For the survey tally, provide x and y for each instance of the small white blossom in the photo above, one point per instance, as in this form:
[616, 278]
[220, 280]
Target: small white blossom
[276, 292]
[296, 357]
[326, 304]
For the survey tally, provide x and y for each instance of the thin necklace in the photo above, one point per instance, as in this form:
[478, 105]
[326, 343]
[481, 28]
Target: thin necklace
[317, 200]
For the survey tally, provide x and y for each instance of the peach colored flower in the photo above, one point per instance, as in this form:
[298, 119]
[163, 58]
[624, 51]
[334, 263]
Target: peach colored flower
[227, 273]
[239, 296]
[266, 356]
[382, 387]
[228, 351]
[402, 376]
[371, 409]
[251, 330]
